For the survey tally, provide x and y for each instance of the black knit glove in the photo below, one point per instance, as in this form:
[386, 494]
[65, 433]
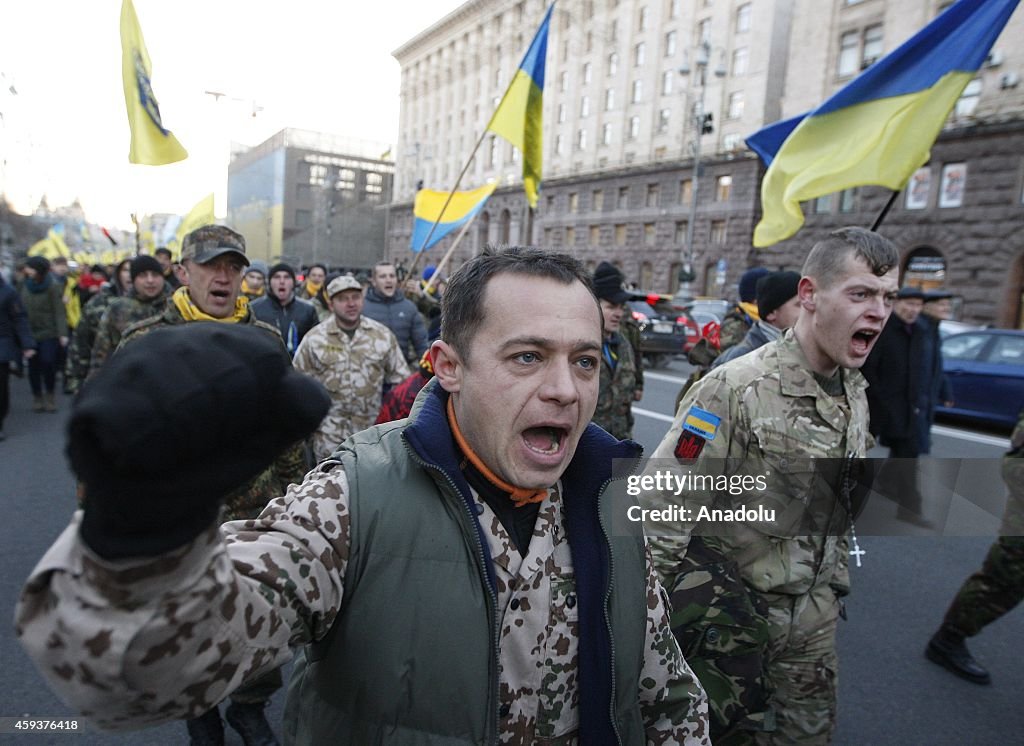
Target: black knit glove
[176, 421]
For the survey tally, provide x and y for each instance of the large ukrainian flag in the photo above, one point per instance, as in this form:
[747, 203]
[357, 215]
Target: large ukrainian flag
[152, 144]
[519, 115]
[428, 206]
[880, 128]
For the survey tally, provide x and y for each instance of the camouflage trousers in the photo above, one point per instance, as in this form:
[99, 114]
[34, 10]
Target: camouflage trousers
[992, 591]
[801, 666]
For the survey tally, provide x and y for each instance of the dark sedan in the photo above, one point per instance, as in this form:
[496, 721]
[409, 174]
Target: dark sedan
[662, 333]
[986, 370]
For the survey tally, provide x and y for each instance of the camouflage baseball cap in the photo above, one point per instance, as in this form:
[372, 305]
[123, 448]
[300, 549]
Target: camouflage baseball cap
[339, 284]
[207, 243]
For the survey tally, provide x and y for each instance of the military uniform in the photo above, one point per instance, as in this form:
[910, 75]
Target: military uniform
[76, 368]
[999, 585]
[760, 593]
[119, 315]
[618, 382]
[287, 468]
[353, 370]
[736, 324]
[630, 331]
[142, 641]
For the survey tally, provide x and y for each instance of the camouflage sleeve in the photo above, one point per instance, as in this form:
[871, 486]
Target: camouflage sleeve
[732, 332]
[104, 344]
[139, 642]
[1013, 475]
[673, 703]
[77, 365]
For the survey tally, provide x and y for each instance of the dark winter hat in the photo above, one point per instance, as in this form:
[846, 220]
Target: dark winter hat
[748, 283]
[281, 267]
[145, 263]
[775, 289]
[257, 266]
[909, 293]
[429, 271]
[163, 250]
[937, 295]
[39, 263]
[207, 243]
[608, 283]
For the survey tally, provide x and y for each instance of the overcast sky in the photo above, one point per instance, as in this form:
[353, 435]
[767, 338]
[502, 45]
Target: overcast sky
[316, 64]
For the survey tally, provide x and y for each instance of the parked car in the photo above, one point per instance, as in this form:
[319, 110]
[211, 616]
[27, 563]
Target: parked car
[948, 327]
[703, 310]
[985, 368]
[662, 332]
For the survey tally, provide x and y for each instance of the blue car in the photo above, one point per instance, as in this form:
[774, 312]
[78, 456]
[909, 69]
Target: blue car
[986, 371]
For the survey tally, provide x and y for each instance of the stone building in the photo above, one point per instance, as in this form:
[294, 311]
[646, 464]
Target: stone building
[620, 137]
[307, 197]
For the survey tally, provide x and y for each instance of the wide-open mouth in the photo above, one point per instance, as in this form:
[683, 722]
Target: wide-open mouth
[545, 439]
[863, 339]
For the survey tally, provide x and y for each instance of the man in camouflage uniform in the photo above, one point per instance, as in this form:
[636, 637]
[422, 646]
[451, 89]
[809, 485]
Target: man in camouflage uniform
[756, 602]
[353, 357]
[76, 367]
[997, 587]
[212, 260]
[450, 575]
[147, 297]
[618, 388]
[742, 315]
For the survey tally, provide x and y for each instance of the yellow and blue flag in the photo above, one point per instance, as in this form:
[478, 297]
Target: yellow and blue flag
[53, 246]
[427, 209]
[519, 116]
[201, 214]
[880, 128]
[152, 144]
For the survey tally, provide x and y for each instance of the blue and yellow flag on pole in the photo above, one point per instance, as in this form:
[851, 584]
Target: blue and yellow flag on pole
[880, 128]
[427, 208]
[519, 116]
[152, 145]
[51, 247]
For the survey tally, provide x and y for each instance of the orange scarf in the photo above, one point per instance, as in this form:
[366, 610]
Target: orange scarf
[519, 495]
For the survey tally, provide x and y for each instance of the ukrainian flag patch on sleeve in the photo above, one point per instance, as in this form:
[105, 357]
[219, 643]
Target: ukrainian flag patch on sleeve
[701, 422]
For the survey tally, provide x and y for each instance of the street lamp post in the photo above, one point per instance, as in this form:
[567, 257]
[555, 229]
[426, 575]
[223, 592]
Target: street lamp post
[702, 126]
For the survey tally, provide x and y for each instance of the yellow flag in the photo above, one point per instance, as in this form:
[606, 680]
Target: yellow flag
[151, 143]
[198, 216]
[51, 247]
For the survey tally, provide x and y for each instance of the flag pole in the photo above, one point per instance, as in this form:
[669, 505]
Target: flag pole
[885, 210]
[448, 254]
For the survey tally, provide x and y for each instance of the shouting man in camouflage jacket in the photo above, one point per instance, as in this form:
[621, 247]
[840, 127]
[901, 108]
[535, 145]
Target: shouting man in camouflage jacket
[757, 597]
[454, 577]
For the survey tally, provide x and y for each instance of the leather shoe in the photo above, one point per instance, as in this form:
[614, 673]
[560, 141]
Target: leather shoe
[206, 730]
[251, 724]
[950, 651]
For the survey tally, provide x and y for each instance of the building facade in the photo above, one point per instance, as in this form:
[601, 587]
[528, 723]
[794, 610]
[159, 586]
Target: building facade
[629, 83]
[306, 197]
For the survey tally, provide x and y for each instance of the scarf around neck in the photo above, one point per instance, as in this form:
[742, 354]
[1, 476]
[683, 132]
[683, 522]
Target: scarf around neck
[190, 311]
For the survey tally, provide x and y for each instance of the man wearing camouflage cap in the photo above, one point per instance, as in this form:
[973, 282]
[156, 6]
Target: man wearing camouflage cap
[353, 357]
[213, 259]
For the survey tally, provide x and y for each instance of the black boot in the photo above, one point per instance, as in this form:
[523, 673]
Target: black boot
[250, 722]
[948, 649]
[206, 730]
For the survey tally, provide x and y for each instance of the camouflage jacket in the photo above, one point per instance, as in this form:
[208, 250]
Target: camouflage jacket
[1013, 475]
[119, 315]
[134, 643]
[76, 369]
[288, 467]
[615, 400]
[631, 332]
[354, 371]
[736, 324]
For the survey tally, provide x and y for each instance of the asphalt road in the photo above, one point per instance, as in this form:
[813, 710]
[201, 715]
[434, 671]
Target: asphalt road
[889, 694]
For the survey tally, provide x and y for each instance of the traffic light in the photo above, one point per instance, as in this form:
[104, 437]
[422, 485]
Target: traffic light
[707, 126]
[686, 274]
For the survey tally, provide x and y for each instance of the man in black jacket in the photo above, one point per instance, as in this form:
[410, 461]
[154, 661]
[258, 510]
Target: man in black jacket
[15, 341]
[893, 370]
[292, 316]
[388, 305]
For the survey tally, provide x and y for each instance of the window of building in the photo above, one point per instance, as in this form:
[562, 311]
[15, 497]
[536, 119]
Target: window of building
[848, 200]
[597, 200]
[740, 60]
[638, 91]
[675, 7]
[561, 113]
[723, 188]
[547, 237]
[574, 201]
[649, 234]
[302, 191]
[735, 109]
[563, 81]
[492, 152]
[634, 128]
[585, 106]
[679, 236]
[590, 41]
[666, 82]
[968, 101]
[670, 44]
[570, 236]
[718, 232]
[645, 15]
[613, 63]
[581, 140]
[613, 30]
[639, 54]
[743, 18]
[704, 30]
[653, 190]
[685, 191]
[623, 201]
[823, 205]
[663, 117]
[620, 234]
[586, 73]
[609, 99]
[606, 134]
[595, 235]
[732, 142]
[303, 218]
[872, 45]
[848, 51]
[550, 202]
[558, 144]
